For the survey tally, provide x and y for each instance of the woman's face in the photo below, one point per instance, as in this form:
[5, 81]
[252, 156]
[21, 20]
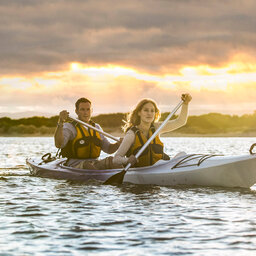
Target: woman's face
[147, 113]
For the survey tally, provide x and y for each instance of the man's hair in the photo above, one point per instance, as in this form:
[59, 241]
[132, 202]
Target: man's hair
[80, 101]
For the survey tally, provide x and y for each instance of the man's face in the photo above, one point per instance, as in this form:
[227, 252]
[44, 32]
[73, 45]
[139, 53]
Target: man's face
[84, 111]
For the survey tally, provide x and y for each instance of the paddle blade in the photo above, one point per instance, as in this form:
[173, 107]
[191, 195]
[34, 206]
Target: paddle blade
[116, 179]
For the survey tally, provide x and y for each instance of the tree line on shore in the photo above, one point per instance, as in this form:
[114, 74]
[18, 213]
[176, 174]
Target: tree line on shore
[212, 123]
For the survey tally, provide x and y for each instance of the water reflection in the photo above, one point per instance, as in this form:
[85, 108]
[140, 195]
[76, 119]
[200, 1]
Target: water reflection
[52, 217]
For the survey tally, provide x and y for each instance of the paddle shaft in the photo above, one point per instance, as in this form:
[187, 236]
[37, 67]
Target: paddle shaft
[155, 133]
[94, 128]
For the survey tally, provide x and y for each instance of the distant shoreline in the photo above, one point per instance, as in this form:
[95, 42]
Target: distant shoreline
[214, 135]
[210, 125]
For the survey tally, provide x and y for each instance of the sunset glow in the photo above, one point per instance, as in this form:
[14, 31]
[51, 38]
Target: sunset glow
[198, 77]
[103, 82]
[194, 78]
[117, 56]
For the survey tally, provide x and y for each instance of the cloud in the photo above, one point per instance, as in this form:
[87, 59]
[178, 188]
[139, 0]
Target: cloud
[155, 36]
[161, 48]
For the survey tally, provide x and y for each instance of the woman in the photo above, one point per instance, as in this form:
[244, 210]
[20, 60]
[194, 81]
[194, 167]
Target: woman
[141, 124]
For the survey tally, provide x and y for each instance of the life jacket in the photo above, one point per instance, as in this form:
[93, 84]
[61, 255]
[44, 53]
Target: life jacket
[86, 145]
[152, 153]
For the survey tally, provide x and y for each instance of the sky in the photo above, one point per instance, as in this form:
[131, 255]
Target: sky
[116, 53]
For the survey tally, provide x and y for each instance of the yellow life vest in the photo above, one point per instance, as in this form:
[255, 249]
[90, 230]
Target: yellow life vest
[87, 143]
[152, 153]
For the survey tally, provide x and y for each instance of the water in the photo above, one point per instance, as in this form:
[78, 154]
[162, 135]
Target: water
[51, 217]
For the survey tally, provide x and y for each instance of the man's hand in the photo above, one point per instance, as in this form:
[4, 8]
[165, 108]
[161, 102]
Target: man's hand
[58, 136]
[63, 116]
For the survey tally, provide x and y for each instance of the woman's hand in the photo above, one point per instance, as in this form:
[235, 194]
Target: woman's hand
[186, 98]
[132, 160]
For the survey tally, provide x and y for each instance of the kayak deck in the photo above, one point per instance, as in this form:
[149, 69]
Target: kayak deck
[194, 169]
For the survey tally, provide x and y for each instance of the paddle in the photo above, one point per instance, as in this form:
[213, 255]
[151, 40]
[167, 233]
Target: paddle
[94, 128]
[118, 177]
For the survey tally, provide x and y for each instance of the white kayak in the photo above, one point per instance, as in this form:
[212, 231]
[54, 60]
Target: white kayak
[192, 169]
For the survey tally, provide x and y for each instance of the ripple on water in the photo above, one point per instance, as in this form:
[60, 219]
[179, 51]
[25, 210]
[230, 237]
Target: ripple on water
[53, 217]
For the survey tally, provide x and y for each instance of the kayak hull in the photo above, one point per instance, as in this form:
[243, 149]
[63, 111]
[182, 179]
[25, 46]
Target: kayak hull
[196, 169]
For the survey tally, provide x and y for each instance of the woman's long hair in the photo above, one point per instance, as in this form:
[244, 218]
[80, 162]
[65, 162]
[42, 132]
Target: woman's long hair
[133, 118]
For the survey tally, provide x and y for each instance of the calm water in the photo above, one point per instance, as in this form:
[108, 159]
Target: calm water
[51, 217]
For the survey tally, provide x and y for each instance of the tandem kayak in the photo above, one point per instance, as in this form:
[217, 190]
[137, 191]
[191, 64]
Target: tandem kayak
[187, 169]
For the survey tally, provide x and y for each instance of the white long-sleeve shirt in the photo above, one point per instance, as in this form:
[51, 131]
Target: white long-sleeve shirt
[129, 138]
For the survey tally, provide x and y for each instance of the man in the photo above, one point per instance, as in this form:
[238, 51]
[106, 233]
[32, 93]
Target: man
[78, 142]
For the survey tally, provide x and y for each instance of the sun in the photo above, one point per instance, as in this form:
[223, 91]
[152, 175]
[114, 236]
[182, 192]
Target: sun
[75, 66]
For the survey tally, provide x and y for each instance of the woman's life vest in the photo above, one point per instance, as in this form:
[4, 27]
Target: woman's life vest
[86, 145]
[152, 153]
